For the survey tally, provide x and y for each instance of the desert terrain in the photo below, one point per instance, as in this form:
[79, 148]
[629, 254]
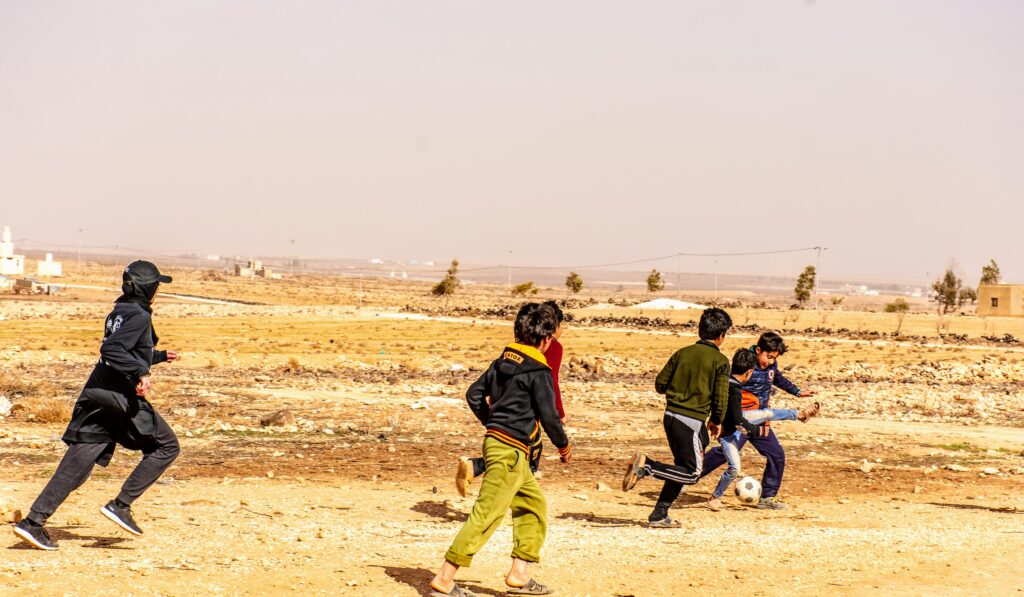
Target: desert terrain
[909, 483]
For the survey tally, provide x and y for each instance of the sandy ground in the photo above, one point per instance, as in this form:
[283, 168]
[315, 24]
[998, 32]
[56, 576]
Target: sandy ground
[908, 484]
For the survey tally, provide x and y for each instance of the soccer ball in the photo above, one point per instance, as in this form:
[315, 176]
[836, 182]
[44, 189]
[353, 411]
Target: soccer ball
[748, 490]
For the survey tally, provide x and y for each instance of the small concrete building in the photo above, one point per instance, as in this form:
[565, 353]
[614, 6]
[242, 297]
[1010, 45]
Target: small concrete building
[1005, 300]
[49, 268]
[10, 264]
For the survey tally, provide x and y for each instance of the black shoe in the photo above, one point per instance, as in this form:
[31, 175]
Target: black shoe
[122, 517]
[35, 535]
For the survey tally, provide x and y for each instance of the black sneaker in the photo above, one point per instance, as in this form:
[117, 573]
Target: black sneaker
[35, 535]
[122, 517]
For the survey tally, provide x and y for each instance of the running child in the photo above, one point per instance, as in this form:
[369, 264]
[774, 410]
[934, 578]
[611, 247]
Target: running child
[471, 468]
[112, 409]
[522, 401]
[695, 382]
[743, 363]
[757, 394]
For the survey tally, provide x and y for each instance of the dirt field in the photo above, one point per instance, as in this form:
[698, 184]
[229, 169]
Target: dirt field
[910, 482]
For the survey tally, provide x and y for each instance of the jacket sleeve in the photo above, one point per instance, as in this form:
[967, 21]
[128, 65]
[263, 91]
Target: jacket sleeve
[542, 391]
[116, 350]
[784, 384]
[720, 396]
[663, 379]
[477, 394]
[554, 359]
[159, 356]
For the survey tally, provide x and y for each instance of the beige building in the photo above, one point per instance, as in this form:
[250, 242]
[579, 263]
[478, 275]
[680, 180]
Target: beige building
[10, 264]
[1001, 300]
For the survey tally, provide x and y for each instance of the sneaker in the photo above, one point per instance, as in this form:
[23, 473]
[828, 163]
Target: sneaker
[35, 535]
[715, 504]
[664, 523]
[772, 503]
[635, 470]
[808, 412]
[122, 517]
[463, 476]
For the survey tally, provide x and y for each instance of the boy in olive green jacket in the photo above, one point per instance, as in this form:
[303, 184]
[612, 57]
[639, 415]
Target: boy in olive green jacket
[695, 382]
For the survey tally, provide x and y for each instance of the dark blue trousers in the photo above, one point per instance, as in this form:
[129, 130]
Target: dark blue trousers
[769, 447]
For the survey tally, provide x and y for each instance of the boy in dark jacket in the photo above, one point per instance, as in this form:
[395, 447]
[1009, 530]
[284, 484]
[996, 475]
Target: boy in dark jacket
[112, 409]
[471, 468]
[522, 401]
[695, 382]
[757, 392]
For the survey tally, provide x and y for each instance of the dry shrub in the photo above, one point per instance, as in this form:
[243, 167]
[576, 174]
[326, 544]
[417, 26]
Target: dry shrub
[15, 387]
[42, 410]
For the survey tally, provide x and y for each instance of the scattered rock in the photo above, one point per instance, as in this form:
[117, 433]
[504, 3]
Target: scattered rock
[603, 487]
[991, 470]
[957, 468]
[280, 418]
[867, 467]
[5, 406]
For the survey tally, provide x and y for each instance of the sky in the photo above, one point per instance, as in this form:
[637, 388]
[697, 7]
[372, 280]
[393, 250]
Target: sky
[565, 132]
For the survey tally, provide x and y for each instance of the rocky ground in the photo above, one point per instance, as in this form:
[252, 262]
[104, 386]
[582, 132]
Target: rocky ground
[319, 443]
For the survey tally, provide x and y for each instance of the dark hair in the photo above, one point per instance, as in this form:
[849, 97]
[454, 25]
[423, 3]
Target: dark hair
[534, 323]
[743, 361]
[559, 316]
[714, 323]
[772, 342]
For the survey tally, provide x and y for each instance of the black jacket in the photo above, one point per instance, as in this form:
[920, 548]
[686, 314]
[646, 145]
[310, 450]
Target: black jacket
[108, 410]
[522, 392]
[734, 414]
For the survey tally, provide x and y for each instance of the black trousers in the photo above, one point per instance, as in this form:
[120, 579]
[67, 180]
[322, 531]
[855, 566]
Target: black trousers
[79, 460]
[687, 438]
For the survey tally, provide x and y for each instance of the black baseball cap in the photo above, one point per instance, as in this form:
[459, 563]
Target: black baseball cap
[144, 273]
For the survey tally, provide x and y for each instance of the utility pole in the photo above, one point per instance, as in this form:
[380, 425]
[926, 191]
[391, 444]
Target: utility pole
[716, 281]
[817, 277]
[679, 287]
[291, 261]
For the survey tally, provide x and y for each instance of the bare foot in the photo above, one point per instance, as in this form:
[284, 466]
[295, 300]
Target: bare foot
[715, 504]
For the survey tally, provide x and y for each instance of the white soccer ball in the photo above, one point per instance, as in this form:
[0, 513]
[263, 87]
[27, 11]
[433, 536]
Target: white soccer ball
[748, 490]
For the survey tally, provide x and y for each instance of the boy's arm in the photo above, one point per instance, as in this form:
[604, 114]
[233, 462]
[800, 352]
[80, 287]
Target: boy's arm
[720, 395]
[476, 396]
[543, 393]
[116, 349]
[661, 382]
[736, 410]
[784, 384]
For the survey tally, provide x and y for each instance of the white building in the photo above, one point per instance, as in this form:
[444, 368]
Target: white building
[49, 268]
[10, 264]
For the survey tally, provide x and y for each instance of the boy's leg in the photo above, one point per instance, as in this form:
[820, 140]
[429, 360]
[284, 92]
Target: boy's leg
[756, 417]
[153, 463]
[529, 522]
[770, 448]
[686, 438]
[715, 457]
[732, 453]
[71, 473]
[506, 471]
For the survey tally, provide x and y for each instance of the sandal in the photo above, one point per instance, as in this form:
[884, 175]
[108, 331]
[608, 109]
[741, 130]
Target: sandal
[634, 471]
[456, 591]
[808, 412]
[664, 523]
[531, 587]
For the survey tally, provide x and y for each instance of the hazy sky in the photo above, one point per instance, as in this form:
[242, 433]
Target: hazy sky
[571, 132]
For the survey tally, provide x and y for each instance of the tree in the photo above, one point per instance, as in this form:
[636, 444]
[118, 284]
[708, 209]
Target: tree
[805, 284]
[524, 289]
[450, 282]
[574, 282]
[654, 281]
[966, 294]
[899, 305]
[947, 291]
[990, 273]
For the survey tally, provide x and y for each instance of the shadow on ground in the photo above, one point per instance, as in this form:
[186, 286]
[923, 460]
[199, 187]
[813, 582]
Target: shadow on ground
[419, 579]
[440, 510]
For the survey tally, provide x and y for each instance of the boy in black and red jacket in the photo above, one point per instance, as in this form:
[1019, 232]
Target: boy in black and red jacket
[522, 401]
